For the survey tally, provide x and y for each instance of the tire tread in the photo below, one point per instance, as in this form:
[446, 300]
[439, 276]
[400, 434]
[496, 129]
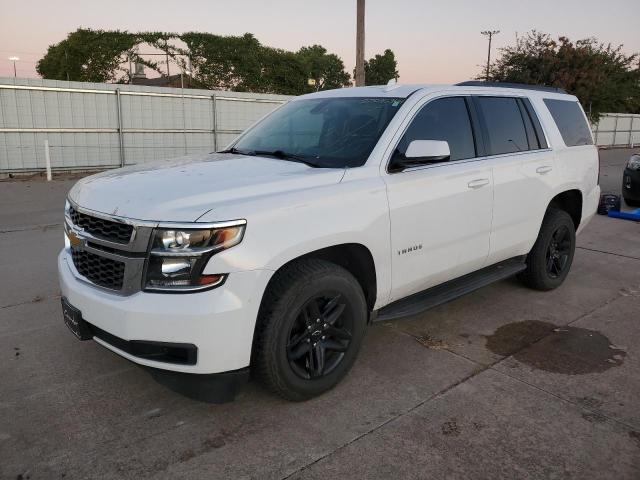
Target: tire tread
[534, 276]
[294, 276]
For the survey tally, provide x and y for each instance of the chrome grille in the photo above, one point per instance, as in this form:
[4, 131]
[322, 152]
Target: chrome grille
[102, 271]
[101, 228]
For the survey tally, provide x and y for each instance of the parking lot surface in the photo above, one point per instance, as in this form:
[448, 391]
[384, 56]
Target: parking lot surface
[503, 383]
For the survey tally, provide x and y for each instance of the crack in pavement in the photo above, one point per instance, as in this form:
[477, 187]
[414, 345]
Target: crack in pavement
[608, 253]
[36, 299]
[44, 226]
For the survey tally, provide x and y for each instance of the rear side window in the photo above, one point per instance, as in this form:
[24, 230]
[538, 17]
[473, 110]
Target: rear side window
[443, 119]
[570, 121]
[505, 126]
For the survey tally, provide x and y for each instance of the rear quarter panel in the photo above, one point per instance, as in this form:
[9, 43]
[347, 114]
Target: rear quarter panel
[577, 167]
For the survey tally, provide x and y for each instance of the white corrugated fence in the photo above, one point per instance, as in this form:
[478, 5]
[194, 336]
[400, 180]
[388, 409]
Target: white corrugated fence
[96, 125]
[617, 130]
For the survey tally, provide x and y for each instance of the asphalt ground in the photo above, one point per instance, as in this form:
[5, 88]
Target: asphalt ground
[502, 383]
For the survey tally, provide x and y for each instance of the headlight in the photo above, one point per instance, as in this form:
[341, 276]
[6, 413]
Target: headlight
[178, 257]
[634, 162]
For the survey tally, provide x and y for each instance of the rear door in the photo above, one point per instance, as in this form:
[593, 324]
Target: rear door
[523, 173]
[440, 213]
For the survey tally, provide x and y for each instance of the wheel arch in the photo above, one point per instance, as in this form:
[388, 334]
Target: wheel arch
[571, 202]
[356, 258]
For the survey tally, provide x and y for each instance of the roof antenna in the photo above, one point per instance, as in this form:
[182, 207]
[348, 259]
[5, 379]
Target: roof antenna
[391, 85]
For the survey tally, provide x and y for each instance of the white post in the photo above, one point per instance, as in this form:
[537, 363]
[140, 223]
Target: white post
[47, 159]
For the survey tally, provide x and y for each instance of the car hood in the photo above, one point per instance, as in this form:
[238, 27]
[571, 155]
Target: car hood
[182, 190]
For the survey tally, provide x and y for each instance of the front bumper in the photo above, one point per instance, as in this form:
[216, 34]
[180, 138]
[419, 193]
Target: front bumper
[631, 184]
[219, 322]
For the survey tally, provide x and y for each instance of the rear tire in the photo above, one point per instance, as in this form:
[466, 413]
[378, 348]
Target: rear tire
[550, 259]
[632, 203]
[311, 323]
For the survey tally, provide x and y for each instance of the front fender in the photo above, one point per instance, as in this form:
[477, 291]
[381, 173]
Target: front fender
[287, 226]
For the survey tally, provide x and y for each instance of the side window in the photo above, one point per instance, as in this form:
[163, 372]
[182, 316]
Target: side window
[505, 126]
[570, 121]
[443, 119]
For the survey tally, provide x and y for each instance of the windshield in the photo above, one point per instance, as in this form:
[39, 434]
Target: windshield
[322, 132]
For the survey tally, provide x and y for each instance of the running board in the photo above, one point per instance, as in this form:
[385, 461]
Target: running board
[432, 297]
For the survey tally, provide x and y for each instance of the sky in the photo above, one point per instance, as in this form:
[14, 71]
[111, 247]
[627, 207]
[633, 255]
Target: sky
[435, 41]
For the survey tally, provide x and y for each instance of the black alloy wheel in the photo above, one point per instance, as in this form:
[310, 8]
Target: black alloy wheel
[550, 259]
[559, 252]
[310, 326]
[319, 336]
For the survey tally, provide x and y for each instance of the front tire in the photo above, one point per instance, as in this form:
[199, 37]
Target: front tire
[310, 327]
[550, 259]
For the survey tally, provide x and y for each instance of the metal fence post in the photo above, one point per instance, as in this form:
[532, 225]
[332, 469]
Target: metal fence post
[631, 132]
[615, 130]
[47, 159]
[214, 122]
[120, 139]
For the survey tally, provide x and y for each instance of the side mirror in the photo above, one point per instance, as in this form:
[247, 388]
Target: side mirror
[421, 152]
[428, 151]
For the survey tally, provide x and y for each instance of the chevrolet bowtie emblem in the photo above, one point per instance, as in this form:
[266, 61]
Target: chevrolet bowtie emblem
[74, 240]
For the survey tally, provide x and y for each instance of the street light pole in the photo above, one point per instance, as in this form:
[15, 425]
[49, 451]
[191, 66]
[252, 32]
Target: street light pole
[359, 76]
[14, 60]
[490, 34]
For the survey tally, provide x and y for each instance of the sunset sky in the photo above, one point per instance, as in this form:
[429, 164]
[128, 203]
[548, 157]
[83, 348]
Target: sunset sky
[436, 41]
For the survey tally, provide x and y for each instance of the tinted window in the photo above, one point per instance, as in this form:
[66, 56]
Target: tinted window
[570, 121]
[443, 119]
[506, 130]
[327, 132]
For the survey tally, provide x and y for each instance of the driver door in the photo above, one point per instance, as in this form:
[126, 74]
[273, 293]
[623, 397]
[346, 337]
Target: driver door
[440, 213]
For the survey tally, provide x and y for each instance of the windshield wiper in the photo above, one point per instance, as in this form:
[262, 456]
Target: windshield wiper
[281, 154]
[236, 151]
[292, 157]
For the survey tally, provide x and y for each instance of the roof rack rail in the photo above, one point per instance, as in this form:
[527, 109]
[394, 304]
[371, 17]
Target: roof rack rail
[524, 86]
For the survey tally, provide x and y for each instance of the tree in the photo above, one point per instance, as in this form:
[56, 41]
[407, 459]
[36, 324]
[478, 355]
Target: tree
[325, 68]
[225, 62]
[87, 56]
[601, 76]
[282, 72]
[381, 68]
[239, 63]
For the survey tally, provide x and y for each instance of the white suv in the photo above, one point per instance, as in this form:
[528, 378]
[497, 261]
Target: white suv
[337, 209]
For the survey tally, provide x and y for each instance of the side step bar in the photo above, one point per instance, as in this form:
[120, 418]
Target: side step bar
[432, 297]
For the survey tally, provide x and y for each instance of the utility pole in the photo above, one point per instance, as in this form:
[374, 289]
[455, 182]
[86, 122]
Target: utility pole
[490, 34]
[66, 63]
[360, 44]
[14, 60]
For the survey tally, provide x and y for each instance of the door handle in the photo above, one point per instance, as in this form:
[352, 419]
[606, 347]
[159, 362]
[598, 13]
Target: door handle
[544, 169]
[479, 182]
